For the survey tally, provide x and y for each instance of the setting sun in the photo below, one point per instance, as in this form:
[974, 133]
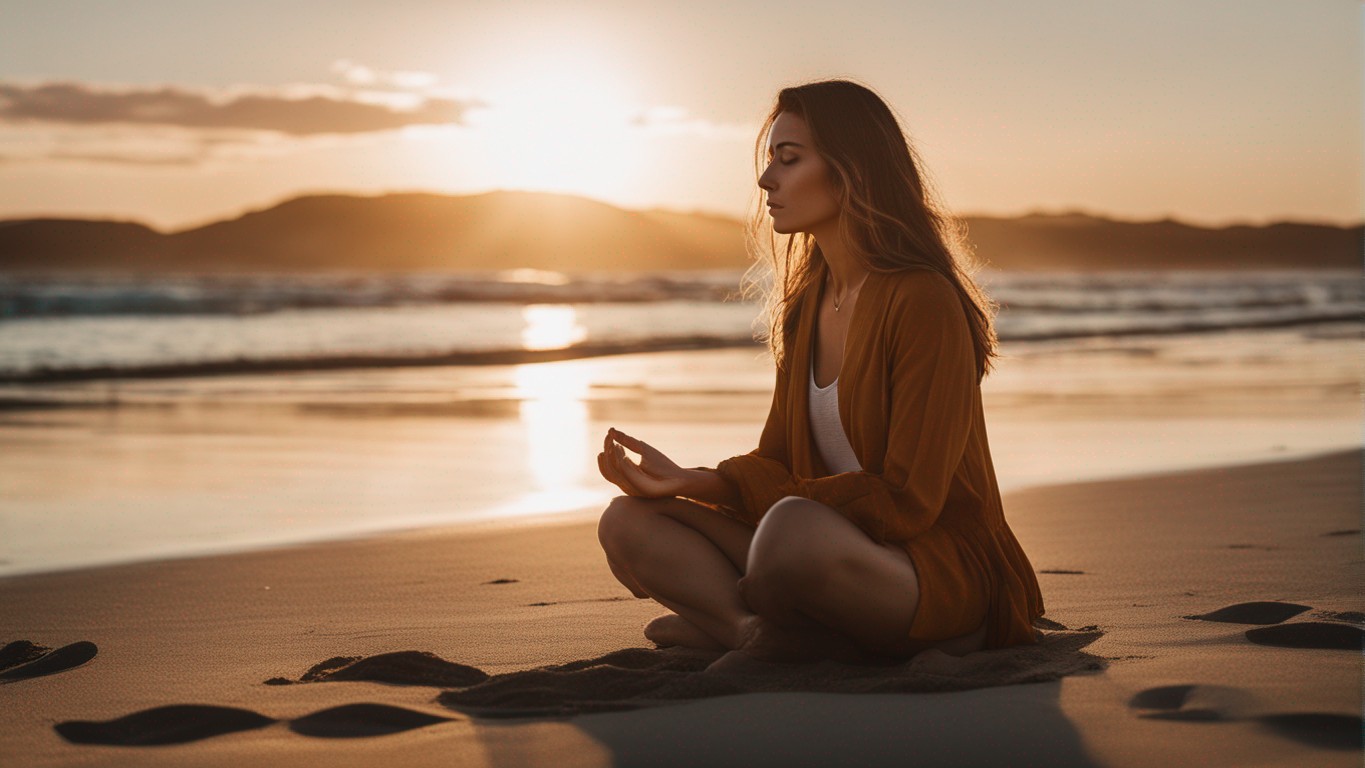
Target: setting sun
[560, 123]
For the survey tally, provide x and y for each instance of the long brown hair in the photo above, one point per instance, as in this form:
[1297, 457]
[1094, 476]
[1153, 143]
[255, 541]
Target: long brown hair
[891, 217]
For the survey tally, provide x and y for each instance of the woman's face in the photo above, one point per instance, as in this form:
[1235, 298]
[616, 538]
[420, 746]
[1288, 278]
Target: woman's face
[801, 197]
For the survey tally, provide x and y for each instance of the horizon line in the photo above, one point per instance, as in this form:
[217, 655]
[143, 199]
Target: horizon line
[1038, 211]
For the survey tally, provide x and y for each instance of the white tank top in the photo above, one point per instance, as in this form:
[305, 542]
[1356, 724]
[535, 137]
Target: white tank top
[828, 430]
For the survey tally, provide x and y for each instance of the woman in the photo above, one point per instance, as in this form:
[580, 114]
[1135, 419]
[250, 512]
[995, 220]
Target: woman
[868, 521]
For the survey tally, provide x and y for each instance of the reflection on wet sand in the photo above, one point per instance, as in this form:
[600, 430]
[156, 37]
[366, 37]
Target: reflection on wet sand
[554, 416]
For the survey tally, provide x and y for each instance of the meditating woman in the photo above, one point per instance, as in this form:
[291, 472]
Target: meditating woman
[867, 523]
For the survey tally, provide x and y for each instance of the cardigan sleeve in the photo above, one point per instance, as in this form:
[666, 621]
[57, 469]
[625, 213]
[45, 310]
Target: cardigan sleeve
[766, 470]
[933, 385]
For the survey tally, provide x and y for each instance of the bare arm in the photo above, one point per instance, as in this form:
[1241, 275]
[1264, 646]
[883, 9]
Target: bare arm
[710, 487]
[657, 476]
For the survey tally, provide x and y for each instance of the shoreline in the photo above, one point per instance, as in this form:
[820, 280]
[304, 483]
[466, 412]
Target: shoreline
[493, 524]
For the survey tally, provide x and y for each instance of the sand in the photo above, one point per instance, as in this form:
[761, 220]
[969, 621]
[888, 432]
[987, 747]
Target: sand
[186, 648]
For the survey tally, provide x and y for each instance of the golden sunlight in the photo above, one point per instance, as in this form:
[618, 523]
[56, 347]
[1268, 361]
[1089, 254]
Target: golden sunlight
[559, 123]
[551, 326]
[554, 413]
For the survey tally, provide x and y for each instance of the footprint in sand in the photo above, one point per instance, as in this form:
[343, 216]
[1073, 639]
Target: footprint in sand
[22, 660]
[183, 723]
[1310, 634]
[357, 720]
[1261, 612]
[1299, 634]
[1191, 702]
[397, 668]
[1213, 703]
[176, 724]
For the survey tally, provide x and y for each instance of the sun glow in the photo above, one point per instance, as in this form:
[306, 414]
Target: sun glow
[560, 123]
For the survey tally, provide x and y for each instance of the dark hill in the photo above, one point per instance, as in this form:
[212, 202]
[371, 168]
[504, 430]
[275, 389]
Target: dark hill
[506, 230]
[500, 230]
[80, 244]
[1082, 242]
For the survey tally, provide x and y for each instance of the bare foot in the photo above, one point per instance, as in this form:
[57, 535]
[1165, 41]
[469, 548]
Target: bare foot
[671, 629]
[764, 641]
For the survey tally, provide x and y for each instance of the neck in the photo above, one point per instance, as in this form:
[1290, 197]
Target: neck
[845, 272]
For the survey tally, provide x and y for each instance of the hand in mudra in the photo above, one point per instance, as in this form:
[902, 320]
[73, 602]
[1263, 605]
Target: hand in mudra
[654, 477]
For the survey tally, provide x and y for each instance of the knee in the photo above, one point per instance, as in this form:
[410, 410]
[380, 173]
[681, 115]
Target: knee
[788, 554]
[622, 524]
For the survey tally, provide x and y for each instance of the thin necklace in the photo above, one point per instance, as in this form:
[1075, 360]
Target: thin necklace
[838, 301]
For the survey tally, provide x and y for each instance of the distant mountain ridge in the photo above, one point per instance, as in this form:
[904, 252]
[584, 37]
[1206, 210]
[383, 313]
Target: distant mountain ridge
[509, 230]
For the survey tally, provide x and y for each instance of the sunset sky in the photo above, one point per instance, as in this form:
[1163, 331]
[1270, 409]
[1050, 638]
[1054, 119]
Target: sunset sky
[179, 112]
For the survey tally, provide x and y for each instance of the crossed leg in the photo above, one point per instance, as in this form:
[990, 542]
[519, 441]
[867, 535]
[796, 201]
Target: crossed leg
[804, 581]
[687, 557]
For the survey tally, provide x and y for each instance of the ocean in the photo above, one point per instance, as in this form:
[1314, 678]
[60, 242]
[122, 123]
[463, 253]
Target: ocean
[143, 418]
[64, 328]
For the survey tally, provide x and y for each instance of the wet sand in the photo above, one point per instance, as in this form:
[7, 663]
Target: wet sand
[119, 471]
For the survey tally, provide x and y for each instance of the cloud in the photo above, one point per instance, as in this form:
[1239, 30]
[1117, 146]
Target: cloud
[359, 74]
[296, 111]
[163, 146]
[142, 160]
[677, 120]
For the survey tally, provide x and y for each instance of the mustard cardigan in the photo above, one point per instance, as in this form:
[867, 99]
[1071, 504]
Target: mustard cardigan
[910, 401]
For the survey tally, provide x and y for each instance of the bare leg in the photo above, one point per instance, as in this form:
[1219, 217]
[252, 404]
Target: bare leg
[684, 556]
[817, 586]
[808, 564]
[671, 629]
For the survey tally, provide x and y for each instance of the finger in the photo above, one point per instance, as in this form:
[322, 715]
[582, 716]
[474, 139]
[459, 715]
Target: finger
[620, 454]
[613, 452]
[622, 468]
[646, 456]
[633, 473]
[604, 469]
[640, 479]
[639, 446]
[650, 457]
[613, 476]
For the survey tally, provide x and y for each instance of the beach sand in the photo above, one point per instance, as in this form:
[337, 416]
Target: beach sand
[1133, 559]
[1126, 674]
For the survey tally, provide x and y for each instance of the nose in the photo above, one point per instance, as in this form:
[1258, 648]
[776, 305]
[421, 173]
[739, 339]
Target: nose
[765, 181]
